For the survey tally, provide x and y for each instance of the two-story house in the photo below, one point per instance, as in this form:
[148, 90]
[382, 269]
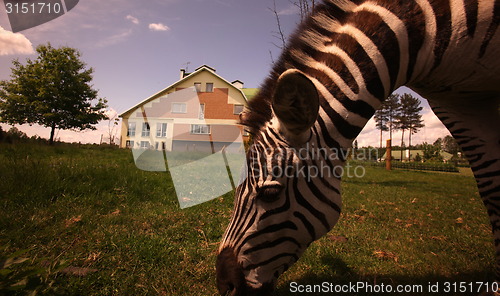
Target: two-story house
[197, 113]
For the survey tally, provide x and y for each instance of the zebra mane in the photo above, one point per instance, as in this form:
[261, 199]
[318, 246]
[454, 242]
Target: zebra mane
[258, 111]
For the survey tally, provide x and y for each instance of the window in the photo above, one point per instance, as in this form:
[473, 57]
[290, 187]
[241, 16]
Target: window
[200, 129]
[161, 130]
[179, 108]
[145, 130]
[210, 87]
[197, 86]
[129, 144]
[144, 144]
[202, 112]
[160, 146]
[131, 129]
[238, 109]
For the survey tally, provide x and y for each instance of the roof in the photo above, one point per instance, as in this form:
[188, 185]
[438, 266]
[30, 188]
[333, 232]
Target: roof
[188, 76]
[250, 92]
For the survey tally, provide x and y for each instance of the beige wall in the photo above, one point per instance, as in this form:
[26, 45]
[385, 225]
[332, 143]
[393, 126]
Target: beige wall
[218, 111]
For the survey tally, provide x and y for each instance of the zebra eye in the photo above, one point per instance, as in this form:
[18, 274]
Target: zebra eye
[269, 193]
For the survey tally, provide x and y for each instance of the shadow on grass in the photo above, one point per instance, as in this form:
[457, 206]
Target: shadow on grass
[340, 274]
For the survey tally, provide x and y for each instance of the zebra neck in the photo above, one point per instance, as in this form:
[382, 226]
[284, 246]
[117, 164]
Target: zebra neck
[357, 61]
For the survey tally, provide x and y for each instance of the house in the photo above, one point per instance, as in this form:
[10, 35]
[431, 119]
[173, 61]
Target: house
[197, 113]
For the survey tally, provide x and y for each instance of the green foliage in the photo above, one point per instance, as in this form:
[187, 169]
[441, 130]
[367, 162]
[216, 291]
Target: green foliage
[54, 91]
[432, 152]
[450, 145]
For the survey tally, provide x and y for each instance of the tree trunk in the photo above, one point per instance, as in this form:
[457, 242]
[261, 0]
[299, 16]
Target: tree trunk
[381, 138]
[390, 130]
[52, 132]
[402, 143]
[409, 145]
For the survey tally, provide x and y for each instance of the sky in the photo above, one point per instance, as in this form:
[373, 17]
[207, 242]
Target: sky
[137, 48]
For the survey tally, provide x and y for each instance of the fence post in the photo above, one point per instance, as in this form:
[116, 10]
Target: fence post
[388, 155]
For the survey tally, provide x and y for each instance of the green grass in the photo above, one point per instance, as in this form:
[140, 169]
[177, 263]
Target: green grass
[121, 232]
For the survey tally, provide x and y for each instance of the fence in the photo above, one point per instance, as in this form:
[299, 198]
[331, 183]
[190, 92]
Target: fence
[420, 166]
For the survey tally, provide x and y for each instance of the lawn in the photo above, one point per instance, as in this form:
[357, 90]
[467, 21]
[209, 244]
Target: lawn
[90, 223]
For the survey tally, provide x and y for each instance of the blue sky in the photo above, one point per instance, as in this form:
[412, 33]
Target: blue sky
[137, 47]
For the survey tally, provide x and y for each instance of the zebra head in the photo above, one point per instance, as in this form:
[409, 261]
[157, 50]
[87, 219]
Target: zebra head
[289, 198]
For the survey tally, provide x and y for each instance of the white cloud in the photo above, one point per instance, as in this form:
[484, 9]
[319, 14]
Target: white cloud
[433, 129]
[117, 38]
[292, 9]
[133, 19]
[158, 27]
[14, 43]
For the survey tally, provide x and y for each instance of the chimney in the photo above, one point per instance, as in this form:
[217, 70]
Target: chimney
[183, 74]
[238, 84]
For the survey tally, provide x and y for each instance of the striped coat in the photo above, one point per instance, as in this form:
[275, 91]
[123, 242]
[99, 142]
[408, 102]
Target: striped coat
[337, 69]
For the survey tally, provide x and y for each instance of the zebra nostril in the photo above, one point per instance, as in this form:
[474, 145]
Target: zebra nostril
[230, 278]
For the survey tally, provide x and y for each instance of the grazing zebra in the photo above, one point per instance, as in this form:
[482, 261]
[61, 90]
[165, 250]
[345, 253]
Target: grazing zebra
[343, 61]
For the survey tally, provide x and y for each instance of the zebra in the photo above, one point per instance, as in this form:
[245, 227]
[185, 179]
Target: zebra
[335, 71]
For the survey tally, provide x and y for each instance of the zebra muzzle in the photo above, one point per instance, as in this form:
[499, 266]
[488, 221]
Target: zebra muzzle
[231, 280]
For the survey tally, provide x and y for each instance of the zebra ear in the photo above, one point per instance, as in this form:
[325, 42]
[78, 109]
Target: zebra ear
[296, 104]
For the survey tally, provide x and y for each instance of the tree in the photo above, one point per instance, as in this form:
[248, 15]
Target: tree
[385, 116]
[113, 122]
[306, 7]
[381, 122]
[54, 90]
[432, 152]
[450, 145]
[391, 105]
[409, 117]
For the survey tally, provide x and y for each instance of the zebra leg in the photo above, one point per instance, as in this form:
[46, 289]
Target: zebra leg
[474, 121]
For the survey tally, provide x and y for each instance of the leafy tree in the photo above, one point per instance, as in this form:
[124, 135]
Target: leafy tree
[431, 152]
[15, 134]
[450, 145]
[409, 117]
[54, 90]
[438, 143]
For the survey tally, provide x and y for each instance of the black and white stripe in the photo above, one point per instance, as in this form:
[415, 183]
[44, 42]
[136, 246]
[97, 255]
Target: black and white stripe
[349, 56]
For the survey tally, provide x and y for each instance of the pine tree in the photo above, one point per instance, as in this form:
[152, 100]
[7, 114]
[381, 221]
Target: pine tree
[385, 117]
[409, 118]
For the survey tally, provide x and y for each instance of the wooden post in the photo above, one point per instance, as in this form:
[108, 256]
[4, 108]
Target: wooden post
[388, 156]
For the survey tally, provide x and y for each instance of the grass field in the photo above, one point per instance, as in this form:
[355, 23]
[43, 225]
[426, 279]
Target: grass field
[90, 223]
